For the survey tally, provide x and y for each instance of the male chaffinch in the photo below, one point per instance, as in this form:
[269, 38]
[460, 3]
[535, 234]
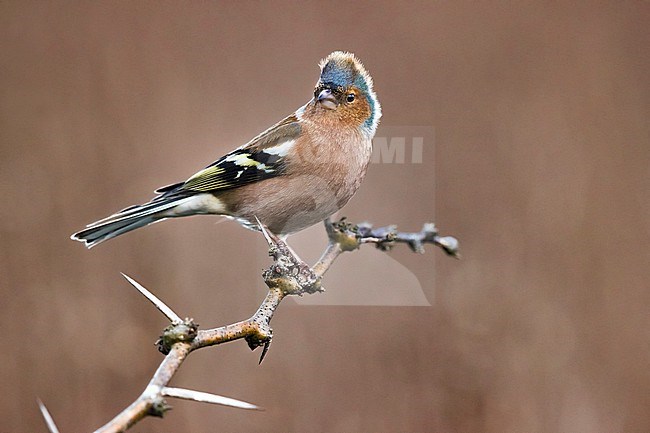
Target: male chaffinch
[291, 176]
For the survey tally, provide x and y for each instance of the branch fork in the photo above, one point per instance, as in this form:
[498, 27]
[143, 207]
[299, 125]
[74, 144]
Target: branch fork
[288, 275]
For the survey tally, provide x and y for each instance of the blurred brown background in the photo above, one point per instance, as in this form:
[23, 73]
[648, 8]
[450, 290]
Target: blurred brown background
[541, 166]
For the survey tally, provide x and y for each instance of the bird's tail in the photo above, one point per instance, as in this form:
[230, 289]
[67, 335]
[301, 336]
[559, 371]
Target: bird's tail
[126, 220]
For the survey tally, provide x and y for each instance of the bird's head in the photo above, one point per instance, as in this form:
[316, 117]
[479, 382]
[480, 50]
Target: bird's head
[344, 92]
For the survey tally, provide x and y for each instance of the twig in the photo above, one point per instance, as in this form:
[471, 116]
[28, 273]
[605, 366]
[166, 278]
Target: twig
[386, 237]
[288, 275]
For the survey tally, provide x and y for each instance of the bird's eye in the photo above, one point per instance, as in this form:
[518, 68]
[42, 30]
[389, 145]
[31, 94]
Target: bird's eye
[350, 97]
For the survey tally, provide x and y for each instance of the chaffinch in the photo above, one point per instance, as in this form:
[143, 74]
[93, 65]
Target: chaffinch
[291, 176]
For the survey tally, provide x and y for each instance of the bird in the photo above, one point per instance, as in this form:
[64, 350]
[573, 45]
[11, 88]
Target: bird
[293, 175]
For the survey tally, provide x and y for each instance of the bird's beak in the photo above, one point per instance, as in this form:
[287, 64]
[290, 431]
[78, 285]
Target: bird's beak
[327, 99]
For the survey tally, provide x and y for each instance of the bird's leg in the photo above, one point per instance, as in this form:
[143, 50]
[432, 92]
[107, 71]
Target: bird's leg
[283, 238]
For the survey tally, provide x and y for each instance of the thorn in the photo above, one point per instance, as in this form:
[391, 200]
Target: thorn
[49, 421]
[205, 397]
[265, 349]
[168, 312]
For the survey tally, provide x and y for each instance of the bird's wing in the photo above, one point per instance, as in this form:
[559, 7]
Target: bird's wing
[261, 158]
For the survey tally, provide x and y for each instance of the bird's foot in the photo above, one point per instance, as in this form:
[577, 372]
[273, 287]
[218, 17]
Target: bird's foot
[289, 272]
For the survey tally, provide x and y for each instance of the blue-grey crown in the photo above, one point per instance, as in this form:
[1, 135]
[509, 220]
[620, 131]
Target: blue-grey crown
[342, 69]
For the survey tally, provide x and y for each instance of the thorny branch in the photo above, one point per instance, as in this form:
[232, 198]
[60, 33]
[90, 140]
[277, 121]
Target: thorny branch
[288, 275]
